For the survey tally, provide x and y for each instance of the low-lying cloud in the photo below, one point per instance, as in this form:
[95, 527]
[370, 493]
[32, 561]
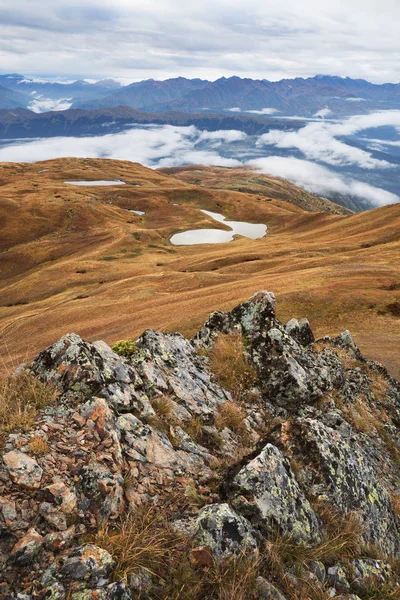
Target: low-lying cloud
[320, 180]
[319, 140]
[167, 146]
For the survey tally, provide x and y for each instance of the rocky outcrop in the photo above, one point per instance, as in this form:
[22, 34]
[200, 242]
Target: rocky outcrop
[319, 428]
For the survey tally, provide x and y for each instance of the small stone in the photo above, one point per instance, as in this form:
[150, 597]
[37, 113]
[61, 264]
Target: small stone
[223, 531]
[267, 591]
[61, 539]
[53, 516]
[88, 563]
[337, 577]
[64, 497]
[27, 548]
[8, 511]
[23, 469]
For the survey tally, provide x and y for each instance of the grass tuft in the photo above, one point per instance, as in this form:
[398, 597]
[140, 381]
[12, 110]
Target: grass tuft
[230, 365]
[38, 446]
[21, 396]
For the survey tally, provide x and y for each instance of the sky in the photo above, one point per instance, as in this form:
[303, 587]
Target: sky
[133, 40]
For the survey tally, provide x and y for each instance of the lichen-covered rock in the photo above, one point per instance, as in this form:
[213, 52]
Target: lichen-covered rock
[104, 489]
[365, 573]
[266, 492]
[88, 563]
[223, 531]
[170, 364]
[113, 591]
[27, 548]
[337, 577]
[289, 373]
[342, 471]
[23, 469]
[81, 367]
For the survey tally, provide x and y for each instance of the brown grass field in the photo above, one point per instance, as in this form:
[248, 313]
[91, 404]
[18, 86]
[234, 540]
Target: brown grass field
[74, 258]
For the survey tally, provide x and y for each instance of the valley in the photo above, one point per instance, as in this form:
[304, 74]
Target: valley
[85, 262]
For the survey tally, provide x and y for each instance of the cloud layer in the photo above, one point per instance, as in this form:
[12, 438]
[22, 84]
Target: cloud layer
[166, 146]
[319, 140]
[262, 39]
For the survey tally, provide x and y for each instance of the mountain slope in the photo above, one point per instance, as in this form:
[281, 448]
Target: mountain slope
[83, 262]
[11, 99]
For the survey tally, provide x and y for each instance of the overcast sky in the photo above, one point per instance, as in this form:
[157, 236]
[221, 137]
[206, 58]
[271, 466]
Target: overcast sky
[137, 39]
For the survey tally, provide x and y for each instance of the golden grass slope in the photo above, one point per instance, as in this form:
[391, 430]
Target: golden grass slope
[249, 181]
[75, 259]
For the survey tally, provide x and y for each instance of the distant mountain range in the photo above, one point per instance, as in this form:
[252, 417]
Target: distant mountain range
[23, 123]
[319, 96]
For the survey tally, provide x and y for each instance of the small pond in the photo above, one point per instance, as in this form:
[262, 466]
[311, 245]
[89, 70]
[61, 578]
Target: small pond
[100, 182]
[218, 236]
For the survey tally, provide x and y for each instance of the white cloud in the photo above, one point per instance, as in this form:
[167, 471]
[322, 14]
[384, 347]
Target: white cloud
[40, 104]
[263, 111]
[324, 112]
[355, 99]
[320, 180]
[135, 39]
[319, 140]
[235, 109]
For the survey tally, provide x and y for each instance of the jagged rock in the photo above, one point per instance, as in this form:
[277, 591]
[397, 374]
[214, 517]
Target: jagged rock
[88, 563]
[300, 331]
[223, 531]
[364, 573]
[290, 374]
[104, 489]
[27, 548]
[145, 444]
[89, 369]
[267, 591]
[266, 492]
[340, 465]
[23, 469]
[170, 364]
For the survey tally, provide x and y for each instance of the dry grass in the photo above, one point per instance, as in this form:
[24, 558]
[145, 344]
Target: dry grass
[230, 365]
[143, 540]
[230, 415]
[21, 397]
[359, 415]
[38, 446]
[193, 281]
[341, 542]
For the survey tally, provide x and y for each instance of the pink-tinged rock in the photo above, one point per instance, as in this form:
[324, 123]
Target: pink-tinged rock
[64, 497]
[89, 563]
[53, 515]
[27, 548]
[23, 469]
[8, 511]
[59, 540]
